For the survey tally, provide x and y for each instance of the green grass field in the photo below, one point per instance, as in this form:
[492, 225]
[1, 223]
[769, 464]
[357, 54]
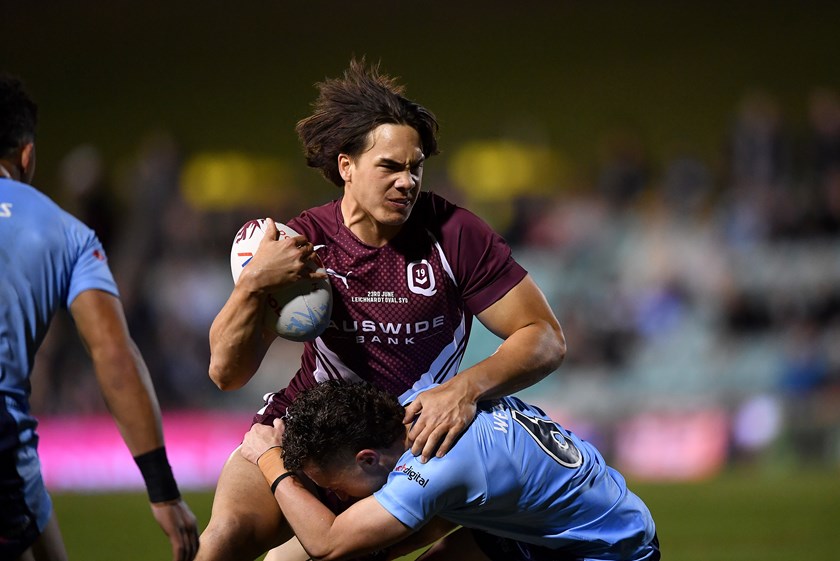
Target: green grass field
[736, 517]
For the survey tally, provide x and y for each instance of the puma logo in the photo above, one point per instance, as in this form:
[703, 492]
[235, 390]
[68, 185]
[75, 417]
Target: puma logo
[339, 276]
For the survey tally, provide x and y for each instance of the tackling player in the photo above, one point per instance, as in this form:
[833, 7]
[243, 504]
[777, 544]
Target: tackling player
[522, 487]
[409, 271]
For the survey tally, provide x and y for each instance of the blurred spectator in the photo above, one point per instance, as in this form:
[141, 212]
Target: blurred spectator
[805, 368]
[85, 186]
[759, 146]
[624, 171]
[823, 144]
[687, 184]
[758, 157]
[823, 162]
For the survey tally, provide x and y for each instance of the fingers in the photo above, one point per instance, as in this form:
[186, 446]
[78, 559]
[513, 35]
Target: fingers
[179, 524]
[191, 533]
[448, 442]
[434, 432]
[424, 439]
[411, 411]
[184, 545]
[430, 446]
[436, 442]
[271, 232]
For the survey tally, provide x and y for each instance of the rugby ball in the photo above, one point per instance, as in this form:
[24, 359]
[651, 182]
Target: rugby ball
[298, 312]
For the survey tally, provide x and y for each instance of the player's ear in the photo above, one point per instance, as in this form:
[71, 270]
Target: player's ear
[367, 458]
[345, 165]
[27, 161]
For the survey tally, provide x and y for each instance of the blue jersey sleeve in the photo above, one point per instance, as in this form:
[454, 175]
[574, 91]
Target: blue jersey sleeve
[91, 271]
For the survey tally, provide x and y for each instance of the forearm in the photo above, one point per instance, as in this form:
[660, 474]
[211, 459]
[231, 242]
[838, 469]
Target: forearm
[323, 535]
[523, 359]
[425, 536]
[129, 395]
[127, 389]
[237, 340]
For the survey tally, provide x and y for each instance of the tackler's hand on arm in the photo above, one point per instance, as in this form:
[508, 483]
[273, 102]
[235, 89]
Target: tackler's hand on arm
[260, 439]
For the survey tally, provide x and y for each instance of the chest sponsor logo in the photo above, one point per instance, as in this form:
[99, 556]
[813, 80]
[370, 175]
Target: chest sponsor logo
[369, 331]
[421, 278]
[412, 474]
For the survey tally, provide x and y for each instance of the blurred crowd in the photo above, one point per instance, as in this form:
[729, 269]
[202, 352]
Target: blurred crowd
[679, 280]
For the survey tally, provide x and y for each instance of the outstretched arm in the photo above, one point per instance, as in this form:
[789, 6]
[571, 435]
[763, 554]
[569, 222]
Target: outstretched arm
[533, 346]
[127, 388]
[238, 340]
[363, 528]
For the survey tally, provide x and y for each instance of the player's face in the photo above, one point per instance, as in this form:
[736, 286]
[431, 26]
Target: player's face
[382, 183]
[346, 481]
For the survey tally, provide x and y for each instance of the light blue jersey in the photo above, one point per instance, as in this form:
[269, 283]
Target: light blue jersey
[516, 474]
[47, 257]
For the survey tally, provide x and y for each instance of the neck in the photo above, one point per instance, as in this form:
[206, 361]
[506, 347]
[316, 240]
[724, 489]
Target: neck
[364, 226]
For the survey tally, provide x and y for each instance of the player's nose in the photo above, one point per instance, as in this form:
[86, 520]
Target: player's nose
[406, 180]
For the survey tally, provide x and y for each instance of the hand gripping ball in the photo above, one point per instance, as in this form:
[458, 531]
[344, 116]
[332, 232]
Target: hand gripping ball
[298, 312]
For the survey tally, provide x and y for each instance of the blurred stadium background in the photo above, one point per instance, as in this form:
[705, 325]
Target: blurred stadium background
[669, 173]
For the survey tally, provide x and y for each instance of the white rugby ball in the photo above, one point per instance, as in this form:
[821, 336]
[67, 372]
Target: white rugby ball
[298, 312]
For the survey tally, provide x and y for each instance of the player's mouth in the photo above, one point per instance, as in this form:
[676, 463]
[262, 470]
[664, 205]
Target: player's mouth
[401, 202]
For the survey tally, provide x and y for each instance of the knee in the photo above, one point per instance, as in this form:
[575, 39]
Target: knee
[233, 536]
[229, 528]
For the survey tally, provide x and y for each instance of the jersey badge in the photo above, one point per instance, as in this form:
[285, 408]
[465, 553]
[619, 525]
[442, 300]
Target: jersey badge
[421, 278]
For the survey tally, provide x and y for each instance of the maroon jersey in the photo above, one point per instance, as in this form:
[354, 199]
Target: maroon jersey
[401, 313]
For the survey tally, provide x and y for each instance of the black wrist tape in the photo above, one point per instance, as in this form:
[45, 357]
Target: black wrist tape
[280, 478]
[157, 473]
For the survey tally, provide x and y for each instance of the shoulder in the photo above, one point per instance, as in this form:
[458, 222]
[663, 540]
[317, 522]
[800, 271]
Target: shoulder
[28, 208]
[27, 197]
[433, 209]
[450, 222]
[319, 223]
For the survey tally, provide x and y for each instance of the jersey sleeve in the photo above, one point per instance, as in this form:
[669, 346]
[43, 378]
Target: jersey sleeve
[415, 493]
[481, 260]
[89, 267]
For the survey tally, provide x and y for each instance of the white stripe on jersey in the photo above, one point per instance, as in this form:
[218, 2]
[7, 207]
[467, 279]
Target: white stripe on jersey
[443, 260]
[446, 364]
[328, 365]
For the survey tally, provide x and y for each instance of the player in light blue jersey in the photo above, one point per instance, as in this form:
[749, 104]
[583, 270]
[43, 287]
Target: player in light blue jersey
[50, 260]
[521, 486]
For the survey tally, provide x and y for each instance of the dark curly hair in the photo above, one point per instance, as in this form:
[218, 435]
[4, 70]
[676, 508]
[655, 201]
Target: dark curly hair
[18, 115]
[348, 109]
[336, 418]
